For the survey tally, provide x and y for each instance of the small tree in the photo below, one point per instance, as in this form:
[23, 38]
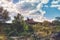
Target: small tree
[4, 15]
[56, 21]
[18, 18]
[58, 18]
[1, 9]
[19, 24]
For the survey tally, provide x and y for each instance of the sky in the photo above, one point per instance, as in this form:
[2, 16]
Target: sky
[51, 8]
[52, 12]
[39, 10]
[15, 1]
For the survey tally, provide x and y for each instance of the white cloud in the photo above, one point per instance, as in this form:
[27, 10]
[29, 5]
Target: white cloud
[55, 4]
[9, 6]
[58, 8]
[26, 8]
[32, 9]
[30, 0]
[45, 1]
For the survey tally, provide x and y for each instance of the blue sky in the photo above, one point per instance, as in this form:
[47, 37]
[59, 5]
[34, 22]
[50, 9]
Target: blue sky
[15, 1]
[51, 12]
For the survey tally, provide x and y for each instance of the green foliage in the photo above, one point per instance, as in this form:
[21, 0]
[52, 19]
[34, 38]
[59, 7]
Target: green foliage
[19, 19]
[42, 30]
[58, 18]
[20, 27]
[46, 23]
[25, 26]
[56, 22]
[4, 15]
[57, 28]
[1, 9]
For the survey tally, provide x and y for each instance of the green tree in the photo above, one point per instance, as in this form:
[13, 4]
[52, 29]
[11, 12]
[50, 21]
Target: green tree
[57, 18]
[19, 25]
[1, 9]
[4, 15]
[18, 18]
[56, 21]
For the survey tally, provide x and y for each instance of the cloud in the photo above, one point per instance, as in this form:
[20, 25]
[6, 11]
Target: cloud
[8, 4]
[10, 7]
[32, 8]
[56, 4]
[27, 8]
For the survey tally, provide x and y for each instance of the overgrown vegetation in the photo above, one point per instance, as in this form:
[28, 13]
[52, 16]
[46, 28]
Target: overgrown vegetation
[19, 27]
